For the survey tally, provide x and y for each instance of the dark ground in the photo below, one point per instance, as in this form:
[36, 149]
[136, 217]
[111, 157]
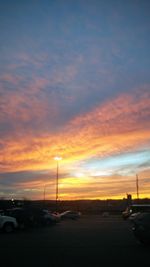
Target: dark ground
[90, 241]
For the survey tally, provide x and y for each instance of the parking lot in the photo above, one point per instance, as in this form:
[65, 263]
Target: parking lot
[90, 241]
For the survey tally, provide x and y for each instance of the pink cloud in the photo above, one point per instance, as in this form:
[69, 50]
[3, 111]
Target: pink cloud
[117, 126]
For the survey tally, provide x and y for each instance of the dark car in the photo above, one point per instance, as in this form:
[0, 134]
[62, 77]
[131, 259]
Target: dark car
[141, 228]
[23, 216]
[48, 217]
[32, 216]
[135, 208]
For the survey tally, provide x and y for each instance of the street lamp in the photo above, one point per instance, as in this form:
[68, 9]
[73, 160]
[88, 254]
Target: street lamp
[137, 186]
[44, 193]
[57, 174]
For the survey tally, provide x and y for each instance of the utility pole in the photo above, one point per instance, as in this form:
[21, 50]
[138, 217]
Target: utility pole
[57, 182]
[137, 186]
[57, 179]
[44, 192]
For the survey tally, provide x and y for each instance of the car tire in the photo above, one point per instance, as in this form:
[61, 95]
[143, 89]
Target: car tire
[8, 227]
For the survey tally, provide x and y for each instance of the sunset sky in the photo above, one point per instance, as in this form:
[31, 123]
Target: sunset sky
[75, 83]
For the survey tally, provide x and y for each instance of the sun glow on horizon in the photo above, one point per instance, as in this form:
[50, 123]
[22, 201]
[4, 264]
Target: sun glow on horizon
[74, 85]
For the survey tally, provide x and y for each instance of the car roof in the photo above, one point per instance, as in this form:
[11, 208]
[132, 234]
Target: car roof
[140, 205]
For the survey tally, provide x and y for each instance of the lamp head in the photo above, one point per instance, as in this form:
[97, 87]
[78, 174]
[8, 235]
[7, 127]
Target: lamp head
[57, 158]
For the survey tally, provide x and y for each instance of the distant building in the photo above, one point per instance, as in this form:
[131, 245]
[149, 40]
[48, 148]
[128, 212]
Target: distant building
[129, 199]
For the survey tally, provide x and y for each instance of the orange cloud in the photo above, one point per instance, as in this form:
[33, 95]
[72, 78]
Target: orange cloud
[115, 127]
[112, 128]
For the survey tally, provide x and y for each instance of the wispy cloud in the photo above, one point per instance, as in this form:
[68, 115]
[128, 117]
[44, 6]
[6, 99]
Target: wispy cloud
[112, 129]
[76, 83]
[103, 130]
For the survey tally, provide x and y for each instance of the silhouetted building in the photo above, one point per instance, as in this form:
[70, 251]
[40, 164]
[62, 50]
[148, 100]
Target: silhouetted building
[129, 199]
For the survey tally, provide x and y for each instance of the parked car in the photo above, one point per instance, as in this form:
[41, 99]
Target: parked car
[141, 228]
[8, 224]
[70, 215]
[135, 208]
[24, 217]
[1, 212]
[33, 216]
[133, 216]
[50, 217]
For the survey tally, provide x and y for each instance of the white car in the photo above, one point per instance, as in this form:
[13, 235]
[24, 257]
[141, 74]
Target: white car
[69, 214]
[8, 224]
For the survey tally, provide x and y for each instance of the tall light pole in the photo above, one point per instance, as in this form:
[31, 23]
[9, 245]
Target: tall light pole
[57, 177]
[137, 186]
[44, 193]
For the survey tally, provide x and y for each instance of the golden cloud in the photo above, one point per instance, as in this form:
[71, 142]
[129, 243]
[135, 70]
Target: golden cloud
[112, 128]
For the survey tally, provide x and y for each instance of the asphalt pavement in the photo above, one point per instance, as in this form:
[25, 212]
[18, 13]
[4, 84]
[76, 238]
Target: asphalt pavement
[90, 241]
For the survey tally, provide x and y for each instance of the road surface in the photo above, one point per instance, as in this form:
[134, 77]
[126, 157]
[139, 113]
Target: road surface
[90, 241]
